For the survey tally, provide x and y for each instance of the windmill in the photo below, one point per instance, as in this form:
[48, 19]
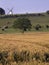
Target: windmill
[10, 11]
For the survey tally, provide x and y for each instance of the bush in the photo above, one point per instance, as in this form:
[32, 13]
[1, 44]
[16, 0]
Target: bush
[47, 26]
[3, 29]
[39, 14]
[6, 27]
[38, 27]
[47, 12]
[22, 24]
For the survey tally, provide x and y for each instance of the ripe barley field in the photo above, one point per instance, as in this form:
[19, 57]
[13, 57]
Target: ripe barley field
[33, 42]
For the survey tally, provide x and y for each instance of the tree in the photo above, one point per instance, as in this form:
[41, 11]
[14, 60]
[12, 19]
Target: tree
[2, 11]
[22, 23]
[48, 12]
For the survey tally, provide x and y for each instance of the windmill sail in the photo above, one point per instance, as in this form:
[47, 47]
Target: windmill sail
[10, 11]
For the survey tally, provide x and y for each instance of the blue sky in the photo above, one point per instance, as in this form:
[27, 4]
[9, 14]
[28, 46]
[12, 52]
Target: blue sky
[25, 6]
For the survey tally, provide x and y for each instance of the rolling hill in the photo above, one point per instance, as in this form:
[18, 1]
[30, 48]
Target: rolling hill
[35, 18]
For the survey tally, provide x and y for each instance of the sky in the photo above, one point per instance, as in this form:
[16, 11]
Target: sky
[25, 6]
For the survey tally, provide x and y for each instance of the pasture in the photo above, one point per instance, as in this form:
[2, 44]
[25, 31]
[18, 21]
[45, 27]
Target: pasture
[7, 20]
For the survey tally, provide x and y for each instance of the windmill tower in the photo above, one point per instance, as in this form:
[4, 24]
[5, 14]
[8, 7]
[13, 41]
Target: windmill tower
[10, 11]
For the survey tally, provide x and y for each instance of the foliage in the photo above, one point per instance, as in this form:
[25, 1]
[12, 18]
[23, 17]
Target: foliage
[38, 27]
[47, 26]
[22, 23]
[35, 19]
[48, 12]
[2, 11]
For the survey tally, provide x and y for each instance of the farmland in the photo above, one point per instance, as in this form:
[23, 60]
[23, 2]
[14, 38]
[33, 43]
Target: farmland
[28, 48]
[26, 39]
[32, 42]
[35, 18]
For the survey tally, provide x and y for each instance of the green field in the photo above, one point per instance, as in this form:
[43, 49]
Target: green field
[35, 19]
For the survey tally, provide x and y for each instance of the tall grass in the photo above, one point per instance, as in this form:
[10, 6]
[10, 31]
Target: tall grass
[24, 56]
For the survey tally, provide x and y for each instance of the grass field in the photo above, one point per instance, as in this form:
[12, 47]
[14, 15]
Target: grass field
[32, 42]
[35, 19]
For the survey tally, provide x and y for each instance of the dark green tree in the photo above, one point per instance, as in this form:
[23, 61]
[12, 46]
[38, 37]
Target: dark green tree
[22, 23]
[2, 11]
[47, 12]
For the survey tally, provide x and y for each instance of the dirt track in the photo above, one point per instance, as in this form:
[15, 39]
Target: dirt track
[30, 41]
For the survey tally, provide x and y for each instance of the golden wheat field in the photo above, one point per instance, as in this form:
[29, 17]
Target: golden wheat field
[31, 41]
[34, 42]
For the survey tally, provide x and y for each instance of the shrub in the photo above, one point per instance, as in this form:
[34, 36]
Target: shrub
[38, 27]
[22, 24]
[3, 29]
[47, 26]
[6, 27]
[47, 12]
[39, 14]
